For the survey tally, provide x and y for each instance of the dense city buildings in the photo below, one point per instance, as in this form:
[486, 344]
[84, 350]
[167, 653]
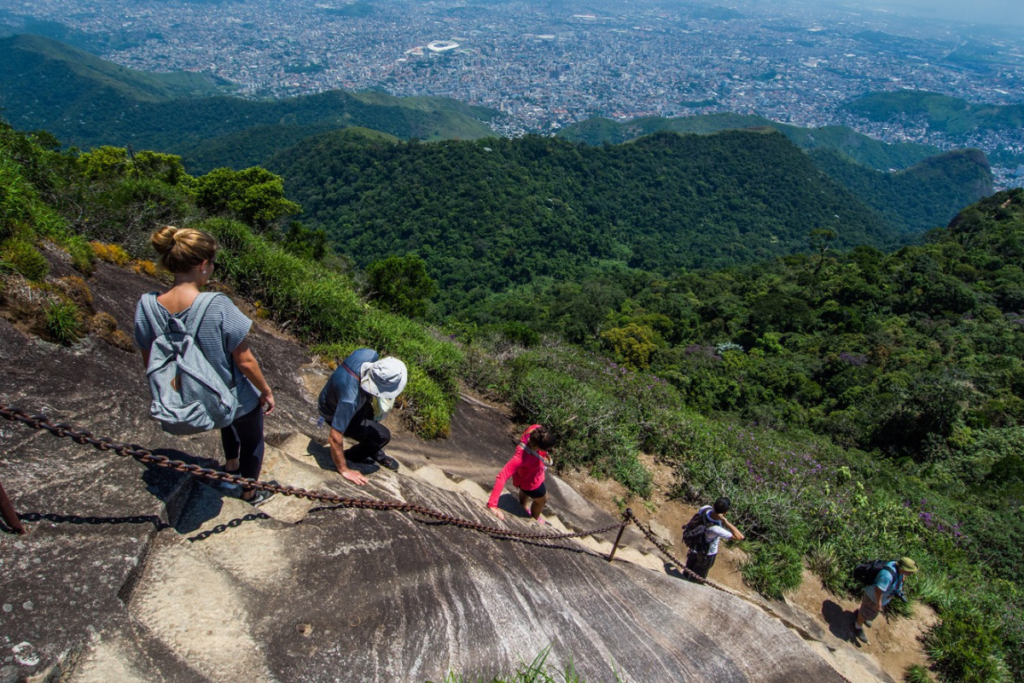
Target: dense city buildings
[546, 64]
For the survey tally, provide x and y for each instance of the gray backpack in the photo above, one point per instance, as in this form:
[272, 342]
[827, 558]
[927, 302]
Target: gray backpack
[188, 395]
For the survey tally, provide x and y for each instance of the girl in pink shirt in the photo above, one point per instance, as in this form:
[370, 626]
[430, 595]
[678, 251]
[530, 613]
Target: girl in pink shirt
[527, 471]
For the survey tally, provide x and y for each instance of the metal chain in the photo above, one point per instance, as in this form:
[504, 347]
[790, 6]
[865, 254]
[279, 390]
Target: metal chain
[41, 422]
[667, 553]
[82, 436]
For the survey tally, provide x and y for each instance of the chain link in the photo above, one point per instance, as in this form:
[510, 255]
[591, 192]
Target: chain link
[82, 436]
[646, 530]
[41, 422]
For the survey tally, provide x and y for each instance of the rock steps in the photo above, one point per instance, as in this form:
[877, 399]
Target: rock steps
[295, 469]
[300, 461]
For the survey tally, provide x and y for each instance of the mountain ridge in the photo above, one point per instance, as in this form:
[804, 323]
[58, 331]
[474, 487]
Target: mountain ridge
[87, 102]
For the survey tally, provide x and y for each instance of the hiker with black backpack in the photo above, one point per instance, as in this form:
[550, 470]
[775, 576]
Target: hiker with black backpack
[703, 533]
[882, 582]
[201, 372]
[355, 400]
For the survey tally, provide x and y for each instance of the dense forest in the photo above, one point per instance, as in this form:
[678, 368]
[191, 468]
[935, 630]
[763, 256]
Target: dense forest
[853, 402]
[490, 214]
[862, 149]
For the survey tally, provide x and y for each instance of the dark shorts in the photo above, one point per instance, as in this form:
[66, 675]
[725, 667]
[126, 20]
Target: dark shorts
[538, 492]
[700, 564]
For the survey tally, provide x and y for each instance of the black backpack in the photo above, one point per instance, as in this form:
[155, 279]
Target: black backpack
[693, 533]
[867, 572]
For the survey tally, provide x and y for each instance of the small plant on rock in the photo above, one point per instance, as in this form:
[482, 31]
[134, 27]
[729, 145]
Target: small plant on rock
[62, 322]
[23, 258]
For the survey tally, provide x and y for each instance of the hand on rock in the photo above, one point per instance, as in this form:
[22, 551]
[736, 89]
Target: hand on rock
[497, 513]
[355, 477]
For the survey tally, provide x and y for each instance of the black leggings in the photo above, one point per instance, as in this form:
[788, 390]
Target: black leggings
[243, 439]
[372, 436]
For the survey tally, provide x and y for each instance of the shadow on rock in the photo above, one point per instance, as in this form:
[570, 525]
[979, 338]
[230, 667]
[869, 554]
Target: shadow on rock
[322, 455]
[221, 528]
[839, 620]
[509, 503]
[158, 524]
[672, 570]
[165, 483]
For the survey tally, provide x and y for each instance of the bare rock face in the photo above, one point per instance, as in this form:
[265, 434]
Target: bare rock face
[134, 573]
[376, 595]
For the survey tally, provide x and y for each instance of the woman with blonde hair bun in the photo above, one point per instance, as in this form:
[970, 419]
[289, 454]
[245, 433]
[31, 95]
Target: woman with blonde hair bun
[190, 256]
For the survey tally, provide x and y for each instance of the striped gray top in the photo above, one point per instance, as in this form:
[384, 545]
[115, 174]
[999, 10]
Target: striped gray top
[223, 328]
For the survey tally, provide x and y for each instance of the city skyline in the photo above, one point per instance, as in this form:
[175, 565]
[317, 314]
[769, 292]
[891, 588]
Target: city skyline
[544, 65]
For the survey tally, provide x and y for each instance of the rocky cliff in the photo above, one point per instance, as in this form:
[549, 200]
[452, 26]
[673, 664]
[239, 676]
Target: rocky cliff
[130, 572]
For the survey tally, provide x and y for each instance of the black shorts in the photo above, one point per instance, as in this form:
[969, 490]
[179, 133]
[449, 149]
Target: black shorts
[538, 492]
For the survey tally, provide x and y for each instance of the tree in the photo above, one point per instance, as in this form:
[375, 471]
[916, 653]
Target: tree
[254, 195]
[301, 241]
[631, 344]
[400, 284]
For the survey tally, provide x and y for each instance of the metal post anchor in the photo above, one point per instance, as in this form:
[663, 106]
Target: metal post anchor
[8, 513]
[625, 522]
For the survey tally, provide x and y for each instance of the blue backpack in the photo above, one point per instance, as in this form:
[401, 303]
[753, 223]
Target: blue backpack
[188, 395]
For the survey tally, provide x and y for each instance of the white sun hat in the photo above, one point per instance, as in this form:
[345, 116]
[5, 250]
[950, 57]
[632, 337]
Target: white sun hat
[385, 378]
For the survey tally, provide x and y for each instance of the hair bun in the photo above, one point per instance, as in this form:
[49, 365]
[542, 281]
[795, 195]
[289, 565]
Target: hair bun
[182, 249]
[164, 239]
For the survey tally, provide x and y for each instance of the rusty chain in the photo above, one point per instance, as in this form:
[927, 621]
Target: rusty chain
[81, 436]
[84, 437]
[646, 530]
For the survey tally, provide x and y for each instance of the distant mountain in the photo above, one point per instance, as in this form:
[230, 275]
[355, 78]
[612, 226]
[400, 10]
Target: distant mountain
[941, 112]
[86, 101]
[861, 148]
[924, 196]
[490, 214]
[927, 193]
[38, 72]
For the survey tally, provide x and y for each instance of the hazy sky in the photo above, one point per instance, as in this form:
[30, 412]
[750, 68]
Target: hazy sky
[1001, 12]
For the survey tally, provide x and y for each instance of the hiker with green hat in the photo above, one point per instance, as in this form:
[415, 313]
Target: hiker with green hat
[883, 580]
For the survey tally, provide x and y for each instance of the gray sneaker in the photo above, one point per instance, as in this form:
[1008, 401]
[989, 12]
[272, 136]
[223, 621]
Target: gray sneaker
[860, 635]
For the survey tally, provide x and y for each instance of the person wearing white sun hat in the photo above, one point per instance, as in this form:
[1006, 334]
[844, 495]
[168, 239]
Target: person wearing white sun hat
[354, 401]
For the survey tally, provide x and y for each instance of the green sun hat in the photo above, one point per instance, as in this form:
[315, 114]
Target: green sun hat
[907, 565]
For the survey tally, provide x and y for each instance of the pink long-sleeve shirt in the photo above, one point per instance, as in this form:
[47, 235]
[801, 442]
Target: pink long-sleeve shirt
[527, 471]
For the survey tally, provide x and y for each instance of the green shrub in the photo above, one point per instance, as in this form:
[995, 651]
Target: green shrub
[319, 302]
[931, 591]
[773, 569]
[24, 259]
[916, 673]
[63, 322]
[518, 333]
[822, 561]
[400, 284]
[965, 646]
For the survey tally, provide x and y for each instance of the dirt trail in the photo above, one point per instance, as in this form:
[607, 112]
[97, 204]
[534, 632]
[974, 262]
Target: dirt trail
[484, 439]
[895, 643]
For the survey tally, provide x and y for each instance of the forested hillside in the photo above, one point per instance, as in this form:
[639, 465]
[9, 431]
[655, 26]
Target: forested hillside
[854, 403]
[88, 102]
[864, 150]
[490, 214]
[927, 195]
[929, 190]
